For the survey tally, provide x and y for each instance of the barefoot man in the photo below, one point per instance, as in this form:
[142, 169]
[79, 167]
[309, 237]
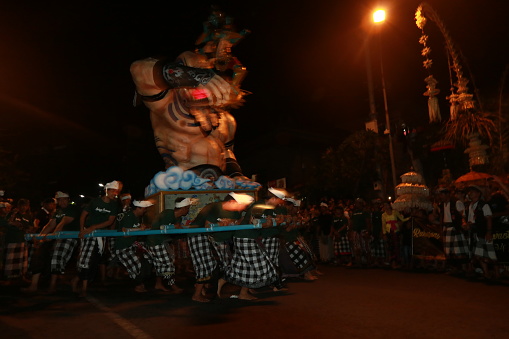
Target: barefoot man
[223, 213]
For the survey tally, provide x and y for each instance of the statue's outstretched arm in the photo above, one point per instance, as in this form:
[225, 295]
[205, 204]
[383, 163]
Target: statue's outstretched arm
[153, 76]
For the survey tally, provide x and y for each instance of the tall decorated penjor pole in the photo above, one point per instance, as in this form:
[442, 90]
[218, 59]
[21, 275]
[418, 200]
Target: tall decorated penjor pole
[468, 123]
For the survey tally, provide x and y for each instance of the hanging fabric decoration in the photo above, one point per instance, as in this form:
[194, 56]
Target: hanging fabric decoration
[433, 108]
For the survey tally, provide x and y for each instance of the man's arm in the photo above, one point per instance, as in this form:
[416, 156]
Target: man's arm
[83, 217]
[65, 221]
[90, 229]
[50, 226]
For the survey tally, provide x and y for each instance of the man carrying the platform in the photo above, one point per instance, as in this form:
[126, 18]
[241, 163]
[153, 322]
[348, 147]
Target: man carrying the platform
[296, 251]
[157, 245]
[255, 258]
[64, 218]
[129, 250]
[224, 213]
[99, 214]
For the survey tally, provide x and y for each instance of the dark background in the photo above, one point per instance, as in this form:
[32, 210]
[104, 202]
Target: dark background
[66, 92]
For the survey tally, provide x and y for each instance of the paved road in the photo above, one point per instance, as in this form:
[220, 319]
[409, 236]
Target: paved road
[351, 303]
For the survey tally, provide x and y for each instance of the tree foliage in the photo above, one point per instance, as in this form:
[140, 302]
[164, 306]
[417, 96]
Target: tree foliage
[350, 169]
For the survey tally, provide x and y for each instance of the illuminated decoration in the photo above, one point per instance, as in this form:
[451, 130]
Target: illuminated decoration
[412, 193]
[193, 128]
[476, 151]
[467, 122]
[459, 99]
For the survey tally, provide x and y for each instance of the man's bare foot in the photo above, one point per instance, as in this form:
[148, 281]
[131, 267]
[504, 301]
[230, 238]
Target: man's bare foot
[200, 298]
[252, 291]
[247, 296]
[281, 289]
[220, 284]
[309, 276]
[140, 289]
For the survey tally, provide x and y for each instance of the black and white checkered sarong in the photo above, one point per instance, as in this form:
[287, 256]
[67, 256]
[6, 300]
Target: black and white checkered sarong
[378, 248]
[163, 260]
[223, 253]
[111, 244]
[455, 243]
[202, 257]
[305, 247]
[129, 258]
[16, 260]
[271, 246]
[342, 245]
[484, 249]
[300, 258]
[62, 254]
[88, 246]
[249, 266]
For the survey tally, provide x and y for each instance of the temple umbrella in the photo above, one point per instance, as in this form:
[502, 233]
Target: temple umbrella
[473, 178]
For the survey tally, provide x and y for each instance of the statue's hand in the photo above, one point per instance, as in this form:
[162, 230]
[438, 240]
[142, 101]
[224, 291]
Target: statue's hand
[217, 90]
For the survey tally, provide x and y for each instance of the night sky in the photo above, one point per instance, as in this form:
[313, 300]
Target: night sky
[66, 91]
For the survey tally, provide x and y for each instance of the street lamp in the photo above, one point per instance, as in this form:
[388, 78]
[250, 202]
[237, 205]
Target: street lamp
[379, 18]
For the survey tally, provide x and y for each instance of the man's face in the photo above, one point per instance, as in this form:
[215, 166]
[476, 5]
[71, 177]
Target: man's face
[474, 195]
[112, 193]
[275, 201]
[233, 205]
[63, 202]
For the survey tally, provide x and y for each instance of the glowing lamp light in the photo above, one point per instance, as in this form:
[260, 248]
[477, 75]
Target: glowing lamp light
[82, 196]
[379, 16]
[101, 185]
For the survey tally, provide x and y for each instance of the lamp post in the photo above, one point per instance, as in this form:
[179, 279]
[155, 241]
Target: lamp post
[379, 18]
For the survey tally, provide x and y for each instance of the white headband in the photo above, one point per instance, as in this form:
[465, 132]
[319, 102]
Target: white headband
[142, 203]
[278, 193]
[61, 194]
[242, 198]
[186, 202]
